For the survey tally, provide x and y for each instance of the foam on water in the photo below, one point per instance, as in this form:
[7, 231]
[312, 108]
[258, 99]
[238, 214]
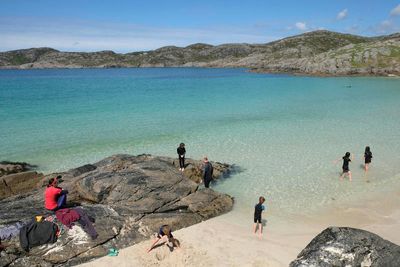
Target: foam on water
[282, 131]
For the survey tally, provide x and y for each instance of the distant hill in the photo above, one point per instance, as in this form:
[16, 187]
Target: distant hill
[315, 53]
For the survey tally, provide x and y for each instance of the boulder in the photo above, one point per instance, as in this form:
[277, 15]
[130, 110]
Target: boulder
[19, 183]
[344, 246]
[9, 167]
[130, 197]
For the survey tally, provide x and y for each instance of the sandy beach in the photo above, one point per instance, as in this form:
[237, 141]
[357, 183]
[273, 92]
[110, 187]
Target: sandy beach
[228, 241]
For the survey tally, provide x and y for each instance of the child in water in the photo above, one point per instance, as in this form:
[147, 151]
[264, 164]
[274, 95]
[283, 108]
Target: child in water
[345, 166]
[367, 158]
[258, 209]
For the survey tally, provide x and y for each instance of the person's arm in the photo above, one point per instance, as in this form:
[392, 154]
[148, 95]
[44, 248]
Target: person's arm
[152, 246]
[336, 161]
[64, 192]
[58, 191]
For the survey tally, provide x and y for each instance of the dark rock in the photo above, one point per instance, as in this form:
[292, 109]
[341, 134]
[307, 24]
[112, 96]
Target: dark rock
[9, 167]
[83, 169]
[19, 183]
[130, 197]
[343, 246]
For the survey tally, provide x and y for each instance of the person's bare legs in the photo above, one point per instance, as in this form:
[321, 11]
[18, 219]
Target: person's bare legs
[255, 228]
[261, 231]
[342, 176]
[175, 243]
[366, 166]
[349, 174]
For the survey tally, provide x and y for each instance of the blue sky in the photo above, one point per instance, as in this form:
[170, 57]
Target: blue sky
[125, 26]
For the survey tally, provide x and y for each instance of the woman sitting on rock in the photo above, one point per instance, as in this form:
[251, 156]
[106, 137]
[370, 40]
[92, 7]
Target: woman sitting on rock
[55, 197]
[165, 234]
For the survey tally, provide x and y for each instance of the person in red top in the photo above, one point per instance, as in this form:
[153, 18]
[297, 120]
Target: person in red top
[54, 197]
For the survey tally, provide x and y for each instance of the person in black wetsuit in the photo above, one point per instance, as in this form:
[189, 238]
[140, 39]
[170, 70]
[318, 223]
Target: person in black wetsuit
[345, 166]
[165, 234]
[258, 209]
[367, 158]
[207, 172]
[181, 155]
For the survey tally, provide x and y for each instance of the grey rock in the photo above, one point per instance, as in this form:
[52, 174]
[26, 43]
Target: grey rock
[344, 246]
[19, 183]
[130, 197]
[9, 167]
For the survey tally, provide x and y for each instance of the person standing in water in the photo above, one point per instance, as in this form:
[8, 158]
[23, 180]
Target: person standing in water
[345, 166]
[258, 209]
[367, 158]
[181, 155]
[207, 172]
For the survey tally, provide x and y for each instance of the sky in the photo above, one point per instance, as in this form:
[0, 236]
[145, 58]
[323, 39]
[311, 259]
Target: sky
[128, 26]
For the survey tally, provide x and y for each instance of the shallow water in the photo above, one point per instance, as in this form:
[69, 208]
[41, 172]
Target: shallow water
[282, 131]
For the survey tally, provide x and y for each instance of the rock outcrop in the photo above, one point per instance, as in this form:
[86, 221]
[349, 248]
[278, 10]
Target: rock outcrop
[316, 53]
[129, 197]
[343, 246]
[9, 167]
[16, 178]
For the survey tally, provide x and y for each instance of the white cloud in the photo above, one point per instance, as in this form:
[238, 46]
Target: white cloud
[386, 23]
[342, 14]
[302, 26]
[395, 11]
[353, 29]
[385, 27]
[67, 35]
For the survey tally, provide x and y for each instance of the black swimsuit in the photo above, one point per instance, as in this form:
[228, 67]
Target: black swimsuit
[181, 154]
[368, 157]
[257, 213]
[345, 166]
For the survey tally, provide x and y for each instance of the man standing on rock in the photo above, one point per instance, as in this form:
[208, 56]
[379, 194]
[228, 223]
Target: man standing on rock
[207, 172]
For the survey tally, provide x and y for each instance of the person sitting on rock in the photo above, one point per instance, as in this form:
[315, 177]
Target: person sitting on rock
[55, 197]
[165, 234]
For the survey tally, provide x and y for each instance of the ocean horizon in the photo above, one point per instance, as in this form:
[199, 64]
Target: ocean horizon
[282, 131]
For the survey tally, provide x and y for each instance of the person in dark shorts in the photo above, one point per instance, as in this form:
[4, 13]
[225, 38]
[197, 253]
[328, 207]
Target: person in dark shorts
[345, 166]
[207, 172]
[258, 209]
[165, 234]
[181, 155]
[367, 158]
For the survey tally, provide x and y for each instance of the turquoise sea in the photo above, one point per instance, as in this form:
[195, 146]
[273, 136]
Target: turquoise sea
[282, 131]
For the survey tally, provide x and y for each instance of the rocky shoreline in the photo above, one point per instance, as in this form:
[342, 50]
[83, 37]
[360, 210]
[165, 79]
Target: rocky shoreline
[317, 53]
[129, 197]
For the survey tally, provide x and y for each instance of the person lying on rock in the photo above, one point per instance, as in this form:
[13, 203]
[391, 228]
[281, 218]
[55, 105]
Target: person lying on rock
[55, 197]
[165, 234]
